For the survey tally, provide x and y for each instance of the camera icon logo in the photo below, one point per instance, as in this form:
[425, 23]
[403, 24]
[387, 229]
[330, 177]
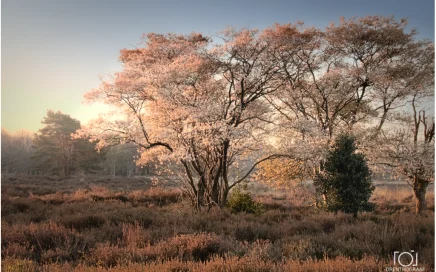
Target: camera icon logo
[406, 258]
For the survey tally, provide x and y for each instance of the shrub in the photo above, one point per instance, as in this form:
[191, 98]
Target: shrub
[245, 234]
[42, 241]
[106, 255]
[243, 202]
[12, 264]
[346, 183]
[253, 232]
[80, 222]
[197, 247]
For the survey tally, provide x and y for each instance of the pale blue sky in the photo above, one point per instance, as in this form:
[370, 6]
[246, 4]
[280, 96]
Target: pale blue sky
[53, 51]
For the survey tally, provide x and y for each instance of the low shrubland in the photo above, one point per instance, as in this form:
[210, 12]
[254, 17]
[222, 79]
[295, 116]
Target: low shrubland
[92, 227]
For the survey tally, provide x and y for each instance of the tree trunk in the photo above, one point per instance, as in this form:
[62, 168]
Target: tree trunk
[201, 201]
[223, 193]
[324, 199]
[421, 204]
[215, 197]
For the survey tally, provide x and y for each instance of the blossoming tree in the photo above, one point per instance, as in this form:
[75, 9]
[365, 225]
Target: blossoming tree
[285, 92]
[197, 106]
[410, 149]
[352, 77]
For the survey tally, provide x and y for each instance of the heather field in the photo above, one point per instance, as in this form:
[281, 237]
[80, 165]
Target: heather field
[223, 136]
[126, 224]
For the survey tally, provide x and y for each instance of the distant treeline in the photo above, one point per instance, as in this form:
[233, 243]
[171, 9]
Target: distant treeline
[53, 151]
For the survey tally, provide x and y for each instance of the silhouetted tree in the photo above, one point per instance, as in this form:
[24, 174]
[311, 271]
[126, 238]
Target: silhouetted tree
[56, 152]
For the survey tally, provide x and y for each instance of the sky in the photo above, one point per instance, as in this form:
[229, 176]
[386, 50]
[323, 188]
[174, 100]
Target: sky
[54, 51]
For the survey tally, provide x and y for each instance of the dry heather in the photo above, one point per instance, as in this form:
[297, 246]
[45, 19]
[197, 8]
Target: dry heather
[91, 224]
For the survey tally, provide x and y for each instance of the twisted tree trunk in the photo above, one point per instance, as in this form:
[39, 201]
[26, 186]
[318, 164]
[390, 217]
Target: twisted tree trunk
[420, 188]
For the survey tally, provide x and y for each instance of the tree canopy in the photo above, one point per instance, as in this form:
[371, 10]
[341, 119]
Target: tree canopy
[212, 110]
[55, 152]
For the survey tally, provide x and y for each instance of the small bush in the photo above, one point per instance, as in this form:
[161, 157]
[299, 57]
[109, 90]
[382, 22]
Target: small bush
[21, 206]
[243, 202]
[120, 197]
[81, 222]
[245, 234]
[12, 264]
[251, 233]
[328, 226]
[107, 255]
[197, 247]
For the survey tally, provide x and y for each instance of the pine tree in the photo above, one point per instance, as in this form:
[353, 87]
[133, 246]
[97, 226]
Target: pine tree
[56, 152]
[345, 183]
